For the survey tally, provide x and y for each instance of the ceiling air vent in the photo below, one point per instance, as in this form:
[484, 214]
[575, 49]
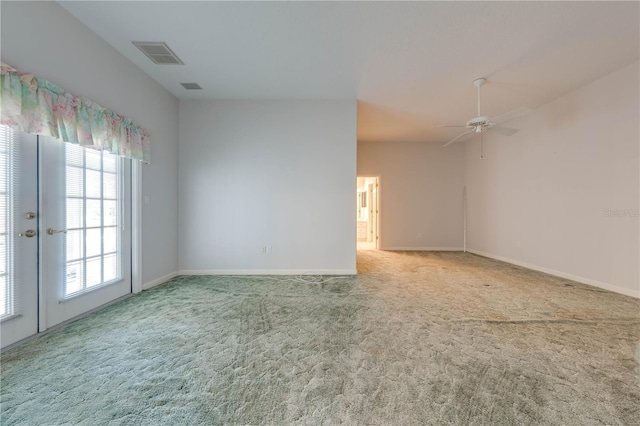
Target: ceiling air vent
[158, 52]
[191, 86]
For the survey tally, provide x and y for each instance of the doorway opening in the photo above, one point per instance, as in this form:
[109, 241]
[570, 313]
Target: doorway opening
[368, 213]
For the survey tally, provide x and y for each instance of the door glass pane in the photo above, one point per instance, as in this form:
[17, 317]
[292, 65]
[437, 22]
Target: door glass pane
[75, 157]
[94, 242]
[110, 267]
[75, 246]
[110, 239]
[94, 183]
[75, 181]
[109, 163]
[75, 212]
[94, 205]
[74, 282]
[94, 271]
[93, 159]
[5, 309]
[110, 185]
[8, 182]
[110, 212]
[94, 216]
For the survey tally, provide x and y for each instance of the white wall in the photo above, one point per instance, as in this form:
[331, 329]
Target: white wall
[421, 188]
[258, 173]
[44, 39]
[539, 197]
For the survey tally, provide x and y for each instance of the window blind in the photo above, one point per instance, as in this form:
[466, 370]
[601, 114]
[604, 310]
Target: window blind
[9, 180]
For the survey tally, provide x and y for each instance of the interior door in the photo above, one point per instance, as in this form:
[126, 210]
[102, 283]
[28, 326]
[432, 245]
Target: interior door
[86, 230]
[19, 236]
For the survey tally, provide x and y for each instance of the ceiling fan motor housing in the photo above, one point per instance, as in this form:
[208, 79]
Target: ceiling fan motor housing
[479, 123]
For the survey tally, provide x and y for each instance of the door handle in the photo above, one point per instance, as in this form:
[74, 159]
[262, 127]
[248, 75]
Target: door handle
[28, 233]
[52, 231]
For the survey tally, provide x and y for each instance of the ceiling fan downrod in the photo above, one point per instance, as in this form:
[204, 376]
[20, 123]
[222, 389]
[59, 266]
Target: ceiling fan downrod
[478, 83]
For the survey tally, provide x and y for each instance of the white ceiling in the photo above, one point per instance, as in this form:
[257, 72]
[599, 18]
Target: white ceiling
[410, 65]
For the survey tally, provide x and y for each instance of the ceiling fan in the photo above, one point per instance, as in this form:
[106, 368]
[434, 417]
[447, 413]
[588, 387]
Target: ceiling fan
[482, 122]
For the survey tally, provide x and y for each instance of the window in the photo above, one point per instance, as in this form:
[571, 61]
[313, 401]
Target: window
[93, 219]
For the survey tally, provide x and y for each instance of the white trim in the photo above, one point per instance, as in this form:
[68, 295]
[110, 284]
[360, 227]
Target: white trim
[158, 281]
[599, 284]
[422, 248]
[42, 289]
[268, 272]
[136, 227]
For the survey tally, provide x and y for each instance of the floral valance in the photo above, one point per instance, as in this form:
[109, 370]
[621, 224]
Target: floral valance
[34, 105]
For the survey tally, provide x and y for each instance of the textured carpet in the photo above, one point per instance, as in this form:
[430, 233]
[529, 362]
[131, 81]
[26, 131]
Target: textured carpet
[416, 338]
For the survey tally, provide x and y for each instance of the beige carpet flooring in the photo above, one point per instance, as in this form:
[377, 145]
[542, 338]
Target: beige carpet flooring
[416, 339]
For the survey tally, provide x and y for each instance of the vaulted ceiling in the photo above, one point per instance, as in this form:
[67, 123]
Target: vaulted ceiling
[410, 65]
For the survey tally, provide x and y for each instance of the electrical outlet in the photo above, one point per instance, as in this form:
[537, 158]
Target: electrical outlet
[264, 249]
[268, 249]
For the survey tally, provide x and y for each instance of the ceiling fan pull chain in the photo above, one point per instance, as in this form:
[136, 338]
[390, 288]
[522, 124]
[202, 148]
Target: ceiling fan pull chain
[481, 146]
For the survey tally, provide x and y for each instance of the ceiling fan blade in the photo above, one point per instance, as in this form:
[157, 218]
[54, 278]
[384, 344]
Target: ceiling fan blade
[458, 137]
[505, 131]
[452, 125]
[511, 115]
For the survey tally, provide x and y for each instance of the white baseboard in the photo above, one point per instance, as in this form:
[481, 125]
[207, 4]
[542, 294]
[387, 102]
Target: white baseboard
[158, 281]
[268, 272]
[422, 248]
[599, 284]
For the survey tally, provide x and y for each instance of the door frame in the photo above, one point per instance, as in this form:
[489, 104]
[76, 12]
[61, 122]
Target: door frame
[23, 267]
[378, 230]
[46, 314]
[136, 252]
[136, 227]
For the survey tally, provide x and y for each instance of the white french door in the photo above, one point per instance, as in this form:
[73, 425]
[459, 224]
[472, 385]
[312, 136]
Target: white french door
[85, 232]
[82, 256]
[19, 239]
